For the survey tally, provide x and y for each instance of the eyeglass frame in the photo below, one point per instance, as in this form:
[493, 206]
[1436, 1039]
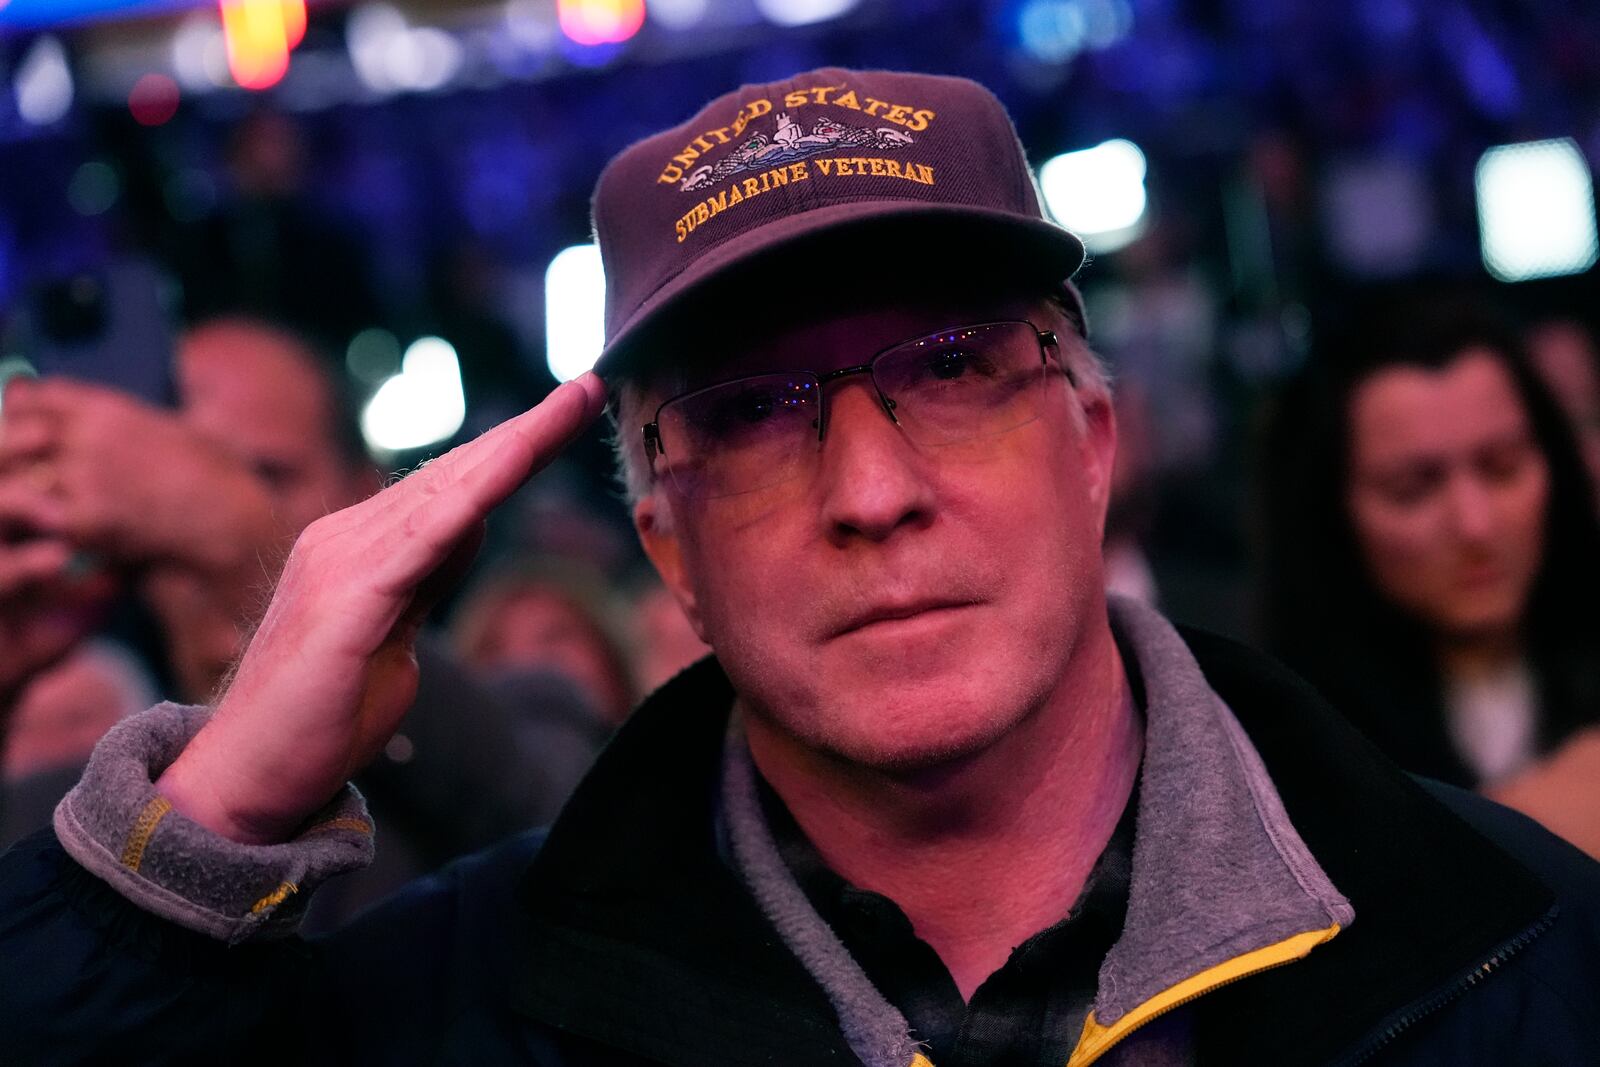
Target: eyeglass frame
[1046, 339]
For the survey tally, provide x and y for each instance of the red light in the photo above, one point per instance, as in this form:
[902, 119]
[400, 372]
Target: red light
[154, 99]
[600, 21]
[259, 35]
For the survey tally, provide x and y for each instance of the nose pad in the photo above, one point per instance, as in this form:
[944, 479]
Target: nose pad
[886, 403]
[889, 405]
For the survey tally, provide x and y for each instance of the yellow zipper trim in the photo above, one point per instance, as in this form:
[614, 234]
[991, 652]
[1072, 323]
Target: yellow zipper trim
[1096, 1039]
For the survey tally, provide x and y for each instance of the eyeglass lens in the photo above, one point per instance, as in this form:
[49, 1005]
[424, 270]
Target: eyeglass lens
[756, 432]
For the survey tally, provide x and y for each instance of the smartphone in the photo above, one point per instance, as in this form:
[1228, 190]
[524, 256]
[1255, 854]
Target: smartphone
[110, 325]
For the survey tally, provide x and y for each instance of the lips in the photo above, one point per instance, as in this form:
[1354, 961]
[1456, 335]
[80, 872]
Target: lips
[896, 611]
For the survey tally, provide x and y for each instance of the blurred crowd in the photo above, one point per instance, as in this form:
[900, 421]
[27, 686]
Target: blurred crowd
[141, 541]
[1399, 499]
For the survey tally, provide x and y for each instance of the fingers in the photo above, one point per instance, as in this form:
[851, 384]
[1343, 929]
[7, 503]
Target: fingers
[510, 452]
[375, 559]
[531, 441]
[31, 563]
[30, 506]
[437, 506]
[52, 396]
[26, 438]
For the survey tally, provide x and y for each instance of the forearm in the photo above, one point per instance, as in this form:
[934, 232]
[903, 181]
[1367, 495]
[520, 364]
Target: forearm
[108, 983]
[144, 937]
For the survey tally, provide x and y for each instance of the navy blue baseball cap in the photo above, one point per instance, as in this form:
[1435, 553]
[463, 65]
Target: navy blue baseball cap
[833, 158]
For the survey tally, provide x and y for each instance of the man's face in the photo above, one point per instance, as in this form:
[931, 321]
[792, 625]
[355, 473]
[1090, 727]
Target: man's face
[254, 392]
[1448, 493]
[898, 606]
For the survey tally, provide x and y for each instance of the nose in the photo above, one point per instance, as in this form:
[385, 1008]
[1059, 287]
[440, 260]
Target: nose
[1472, 509]
[872, 481]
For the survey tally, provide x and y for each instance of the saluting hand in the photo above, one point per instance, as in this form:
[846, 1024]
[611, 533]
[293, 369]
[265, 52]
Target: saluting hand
[331, 670]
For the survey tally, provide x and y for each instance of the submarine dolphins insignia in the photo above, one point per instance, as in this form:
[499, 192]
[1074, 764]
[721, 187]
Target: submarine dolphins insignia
[789, 143]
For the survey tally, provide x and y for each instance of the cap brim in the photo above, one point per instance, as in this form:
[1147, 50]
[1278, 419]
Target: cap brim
[1033, 247]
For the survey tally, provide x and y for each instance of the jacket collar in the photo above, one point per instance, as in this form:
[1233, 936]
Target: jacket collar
[641, 938]
[1434, 899]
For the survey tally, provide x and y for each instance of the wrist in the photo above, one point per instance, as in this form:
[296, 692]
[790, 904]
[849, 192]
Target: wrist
[193, 790]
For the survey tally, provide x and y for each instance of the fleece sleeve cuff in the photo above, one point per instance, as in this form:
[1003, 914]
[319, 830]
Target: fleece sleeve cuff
[119, 828]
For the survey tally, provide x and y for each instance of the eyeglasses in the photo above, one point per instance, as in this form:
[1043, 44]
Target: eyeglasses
[753, 433]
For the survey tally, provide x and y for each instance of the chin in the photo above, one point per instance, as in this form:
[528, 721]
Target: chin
[916, 728]
[1481, 619]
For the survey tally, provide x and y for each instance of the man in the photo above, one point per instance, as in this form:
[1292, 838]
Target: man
[197, 507]
[193, 507]
[930, 801]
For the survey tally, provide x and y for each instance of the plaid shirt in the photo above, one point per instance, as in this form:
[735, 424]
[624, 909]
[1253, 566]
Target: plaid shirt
[1028, 1012]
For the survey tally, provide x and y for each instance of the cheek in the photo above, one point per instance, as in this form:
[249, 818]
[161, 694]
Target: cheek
[1034, 526]
[1403, 547]
[744, 569]
[1526, 506]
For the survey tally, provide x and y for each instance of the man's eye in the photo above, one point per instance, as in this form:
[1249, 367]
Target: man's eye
[755, 407]
[950, 364]
[742, 409]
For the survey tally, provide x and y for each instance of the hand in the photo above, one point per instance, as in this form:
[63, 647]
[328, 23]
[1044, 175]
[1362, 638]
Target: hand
[132, 483]
[332, 668]
[46, 607]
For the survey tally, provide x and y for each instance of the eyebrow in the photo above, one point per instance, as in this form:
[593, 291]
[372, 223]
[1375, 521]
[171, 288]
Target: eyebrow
[1405, 464]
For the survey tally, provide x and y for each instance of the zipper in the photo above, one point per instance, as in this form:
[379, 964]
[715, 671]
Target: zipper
[1212, 987]
[1448, 996]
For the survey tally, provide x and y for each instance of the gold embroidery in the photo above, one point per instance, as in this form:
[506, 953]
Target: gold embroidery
[274, 898]
[144, 827]
[343, 822]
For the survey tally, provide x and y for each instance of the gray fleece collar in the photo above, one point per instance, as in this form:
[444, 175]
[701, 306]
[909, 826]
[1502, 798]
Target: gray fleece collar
[1218, 870]
[874, 1028]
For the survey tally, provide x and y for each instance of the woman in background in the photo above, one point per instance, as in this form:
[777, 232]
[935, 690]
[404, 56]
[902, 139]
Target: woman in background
[1433, 560]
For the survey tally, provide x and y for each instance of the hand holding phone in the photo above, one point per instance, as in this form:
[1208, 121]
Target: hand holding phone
[131, 483]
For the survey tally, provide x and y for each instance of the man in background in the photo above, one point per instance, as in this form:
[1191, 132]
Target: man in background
[193, 511]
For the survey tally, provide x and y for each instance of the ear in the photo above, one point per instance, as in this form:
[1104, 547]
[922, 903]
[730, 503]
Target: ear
[1099, 448]
[658, 534]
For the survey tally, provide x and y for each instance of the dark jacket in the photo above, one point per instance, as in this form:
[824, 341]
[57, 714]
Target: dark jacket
[622, 937]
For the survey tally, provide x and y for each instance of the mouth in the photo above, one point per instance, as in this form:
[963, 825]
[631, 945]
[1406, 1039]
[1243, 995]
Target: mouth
[1478, 575]
[885, 616]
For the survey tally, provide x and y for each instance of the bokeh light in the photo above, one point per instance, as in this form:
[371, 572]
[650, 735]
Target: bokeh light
[44, 83]
[373, 355]
[200, 53]
[259, 35]
[1098, 193]
[422, 405]
[153, 100]
[574, 311]
[802, 12]
[590, 22]
[390, 55]
[678, 14]
[1054, 31]
[94, 188]
[1536, 210]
